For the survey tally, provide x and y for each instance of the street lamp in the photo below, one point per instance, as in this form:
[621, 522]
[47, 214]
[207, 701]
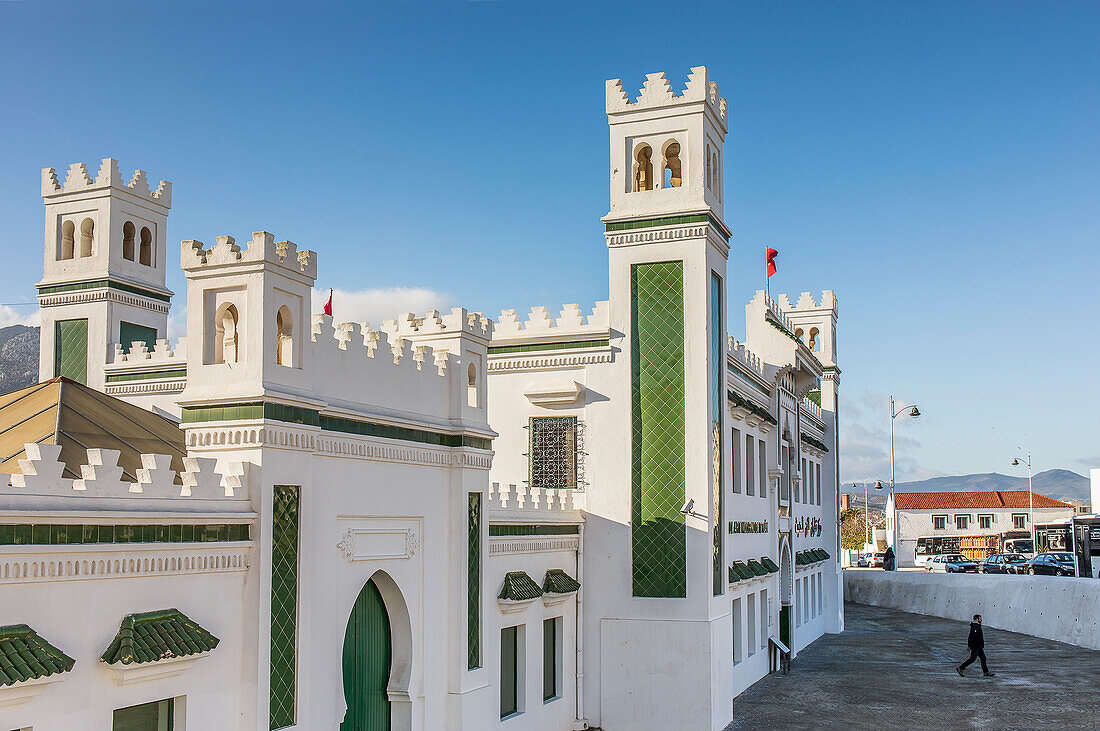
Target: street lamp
[1030, 501]
[913, 413]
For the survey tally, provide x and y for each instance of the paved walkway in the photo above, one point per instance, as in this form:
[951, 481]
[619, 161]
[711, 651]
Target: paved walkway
[895, 670]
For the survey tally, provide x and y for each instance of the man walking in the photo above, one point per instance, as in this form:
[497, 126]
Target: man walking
[975, 642]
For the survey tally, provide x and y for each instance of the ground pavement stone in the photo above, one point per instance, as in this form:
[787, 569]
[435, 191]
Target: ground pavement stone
[895, 670]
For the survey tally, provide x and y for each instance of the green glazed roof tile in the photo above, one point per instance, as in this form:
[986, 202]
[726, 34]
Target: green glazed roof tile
[744, 403]
[814, 442]
[734, 577]
[559, 582]
[159, 635]
[24, 655]
[757, 568]
[518, 587]
[742, 570]
[769, 564]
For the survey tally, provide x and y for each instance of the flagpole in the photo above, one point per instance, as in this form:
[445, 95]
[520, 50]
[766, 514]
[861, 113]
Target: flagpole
[767, 279]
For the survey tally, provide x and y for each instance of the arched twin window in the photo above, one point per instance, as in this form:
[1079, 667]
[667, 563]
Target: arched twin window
[145, 253]
[87, 227]
[129, 234]
[672, 177]
[68, 240]
[814, 332]
[643, 168]
[225, 334]
[284, 347]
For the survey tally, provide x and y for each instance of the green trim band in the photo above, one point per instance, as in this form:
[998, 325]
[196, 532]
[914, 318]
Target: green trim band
[312, 417]
[147, 375]
[536, 347]
[56, 534]
[498, 529]
[651, 222]
[100, 284]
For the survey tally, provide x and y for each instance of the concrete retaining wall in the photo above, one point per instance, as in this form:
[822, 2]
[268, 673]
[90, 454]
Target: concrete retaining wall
[1063, 609]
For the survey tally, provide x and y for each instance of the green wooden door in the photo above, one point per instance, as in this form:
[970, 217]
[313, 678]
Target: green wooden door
[367, 655]
[785, 625]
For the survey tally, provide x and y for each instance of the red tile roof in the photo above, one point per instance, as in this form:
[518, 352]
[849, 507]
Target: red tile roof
[976, 499]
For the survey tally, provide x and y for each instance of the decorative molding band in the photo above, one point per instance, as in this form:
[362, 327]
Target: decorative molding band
[536, 347]
[145, 388]
[516, 530]
[45, 289]
[75, 563]
[179, 374]
[511, 545]
[252, 436]
[75, 298]
[649, 237]
[373, 544]
[564, 360]
[156, 670]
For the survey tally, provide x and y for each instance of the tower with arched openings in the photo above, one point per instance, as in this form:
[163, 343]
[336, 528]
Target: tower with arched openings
[103, 280]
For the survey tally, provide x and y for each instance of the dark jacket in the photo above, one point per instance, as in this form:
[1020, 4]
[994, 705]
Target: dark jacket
[975, 640]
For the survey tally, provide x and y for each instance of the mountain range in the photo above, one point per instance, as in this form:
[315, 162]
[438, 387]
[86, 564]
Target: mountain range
[1059, 484]
[18, 357]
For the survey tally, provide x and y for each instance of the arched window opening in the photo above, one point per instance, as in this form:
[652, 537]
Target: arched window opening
[643, 168]
[129, 234]
[68, 240]
[714, 171]
[672, 165]
[471, 388]
[798, 333]
[814, 332]
[718, 176]
[284, 348]
[87, 227]
[146, 251]
[225, 338]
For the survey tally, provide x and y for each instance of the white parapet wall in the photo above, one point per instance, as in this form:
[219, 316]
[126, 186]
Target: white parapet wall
[1056, 608]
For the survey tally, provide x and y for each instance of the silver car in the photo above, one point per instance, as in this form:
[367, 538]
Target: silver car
[952, 563]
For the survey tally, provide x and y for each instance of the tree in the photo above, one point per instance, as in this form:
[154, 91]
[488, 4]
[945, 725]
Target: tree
[853, 529]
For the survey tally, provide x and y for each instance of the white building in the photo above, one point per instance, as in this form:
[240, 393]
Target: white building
[560, 521]
[929, 523]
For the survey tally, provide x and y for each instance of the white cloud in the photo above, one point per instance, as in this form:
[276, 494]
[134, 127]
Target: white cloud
[18, 316]
[380, 303]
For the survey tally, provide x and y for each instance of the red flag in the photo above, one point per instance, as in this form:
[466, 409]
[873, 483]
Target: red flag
[328, 305]
[770, 257]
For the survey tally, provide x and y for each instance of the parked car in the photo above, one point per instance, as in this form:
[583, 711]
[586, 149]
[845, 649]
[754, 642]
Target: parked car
[877, 559]
[952, 563]
[864, 560]
[1004, 563]
[1054, 563]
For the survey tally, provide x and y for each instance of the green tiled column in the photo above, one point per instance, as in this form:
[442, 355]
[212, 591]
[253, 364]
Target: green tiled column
[717, 401]
[658, 479]
[70, 349]
[284, 605]
[473, 583]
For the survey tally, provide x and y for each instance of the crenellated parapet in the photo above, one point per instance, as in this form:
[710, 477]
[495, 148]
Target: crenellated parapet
[806, 302]
[457, 321]
[79, 180]
[263, 248]
[657, 92]
[101, 483]
[744, 357]
[569, 322]
[162, 352]
[534, 503]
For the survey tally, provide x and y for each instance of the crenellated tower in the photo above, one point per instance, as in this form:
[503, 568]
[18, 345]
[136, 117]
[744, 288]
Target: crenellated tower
[103, 271]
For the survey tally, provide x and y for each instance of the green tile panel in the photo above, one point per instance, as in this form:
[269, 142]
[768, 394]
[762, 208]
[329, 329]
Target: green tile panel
[70, 349]
[559, 582]
[102, 284]
[540, 347]
[55, 534]
[658, 436]
[717, 371]
[284, 606]
[24, 655]
[503, 529]
[160, 635]
[158, 375]
[518, 586]
[129, 333]
[663, 221]
[473, 582]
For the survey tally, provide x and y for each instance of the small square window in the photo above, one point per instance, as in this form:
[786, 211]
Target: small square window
[939, 522]
[155, 716]
[1019, 522]
[553, 450]
[962, 522]
[985, 522]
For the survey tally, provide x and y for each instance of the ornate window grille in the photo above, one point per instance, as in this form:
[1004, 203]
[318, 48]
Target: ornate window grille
[553, 452]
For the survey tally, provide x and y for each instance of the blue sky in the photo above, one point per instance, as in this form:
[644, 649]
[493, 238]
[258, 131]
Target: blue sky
[935, 164]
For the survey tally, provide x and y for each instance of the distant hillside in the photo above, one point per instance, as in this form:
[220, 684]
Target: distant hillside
[18, 357]
[1058, 484]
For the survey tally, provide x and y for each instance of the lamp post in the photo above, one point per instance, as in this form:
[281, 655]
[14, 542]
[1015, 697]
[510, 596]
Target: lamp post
[913, 413]
[1030, 501]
